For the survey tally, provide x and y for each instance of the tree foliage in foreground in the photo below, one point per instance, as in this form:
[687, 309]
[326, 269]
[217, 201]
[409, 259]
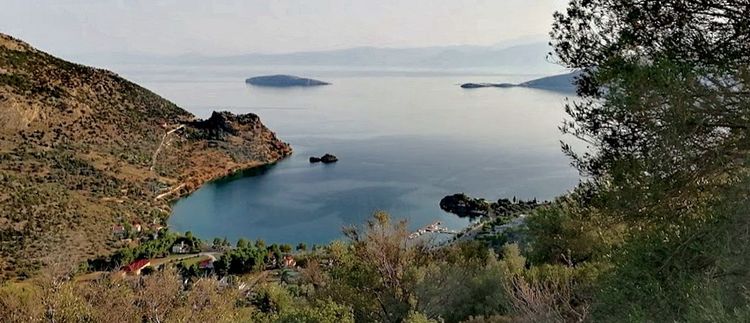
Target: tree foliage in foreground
[665, 107]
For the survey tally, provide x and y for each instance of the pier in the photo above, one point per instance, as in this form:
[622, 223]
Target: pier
[432, 228]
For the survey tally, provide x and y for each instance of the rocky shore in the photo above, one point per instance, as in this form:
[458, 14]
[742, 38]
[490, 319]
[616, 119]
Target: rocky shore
[225, 144]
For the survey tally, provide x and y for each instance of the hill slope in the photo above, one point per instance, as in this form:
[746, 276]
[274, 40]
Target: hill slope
[82, 150]
[563, 82]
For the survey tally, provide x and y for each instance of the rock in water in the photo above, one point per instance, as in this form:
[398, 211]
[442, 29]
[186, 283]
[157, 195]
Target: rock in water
[326, 159]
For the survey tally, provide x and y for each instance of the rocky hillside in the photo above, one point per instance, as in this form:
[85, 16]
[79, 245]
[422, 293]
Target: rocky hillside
[83, 150]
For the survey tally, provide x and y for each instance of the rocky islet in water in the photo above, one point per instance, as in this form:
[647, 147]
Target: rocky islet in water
[325, 159]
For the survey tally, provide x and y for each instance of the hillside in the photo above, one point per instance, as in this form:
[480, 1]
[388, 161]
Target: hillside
[563, 82]
[559, 83]
[83, 150]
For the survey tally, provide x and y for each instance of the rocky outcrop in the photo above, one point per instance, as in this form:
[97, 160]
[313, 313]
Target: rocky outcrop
[325, 159]
[227, 143]
[465, 206]
[283, 81]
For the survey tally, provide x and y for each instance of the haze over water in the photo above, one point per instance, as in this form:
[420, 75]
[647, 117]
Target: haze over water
[404, 140]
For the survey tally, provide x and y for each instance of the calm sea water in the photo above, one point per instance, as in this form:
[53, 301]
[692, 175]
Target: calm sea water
[404, 140]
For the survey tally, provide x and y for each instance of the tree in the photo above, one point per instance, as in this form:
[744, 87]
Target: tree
[664, 99]
[285, 248]
[665, 109]
[242, 243]
[301, 246]
[374, 274]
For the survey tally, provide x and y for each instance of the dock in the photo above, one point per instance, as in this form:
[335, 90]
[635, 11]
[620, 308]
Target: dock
[435, 227]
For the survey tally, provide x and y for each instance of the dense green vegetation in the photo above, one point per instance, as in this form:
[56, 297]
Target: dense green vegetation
[664, 102]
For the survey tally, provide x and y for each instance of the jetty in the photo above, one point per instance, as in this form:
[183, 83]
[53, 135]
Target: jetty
[435, 227]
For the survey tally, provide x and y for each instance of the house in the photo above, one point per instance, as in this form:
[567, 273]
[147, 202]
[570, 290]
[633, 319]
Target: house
[180, 248]
[135, 267]
[207, 264]
[137, 227]
[118, 230]
[288, 262]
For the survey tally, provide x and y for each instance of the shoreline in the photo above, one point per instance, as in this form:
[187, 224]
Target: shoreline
[248, 170]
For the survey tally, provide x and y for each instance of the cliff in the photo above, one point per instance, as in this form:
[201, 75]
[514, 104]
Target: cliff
[83, 150]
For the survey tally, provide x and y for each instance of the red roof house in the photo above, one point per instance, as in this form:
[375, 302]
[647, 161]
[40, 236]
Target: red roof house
[206, 264]
[135, 267]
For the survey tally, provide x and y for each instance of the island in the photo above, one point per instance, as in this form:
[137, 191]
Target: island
[481, 85]
[559, 83]
[281, 80]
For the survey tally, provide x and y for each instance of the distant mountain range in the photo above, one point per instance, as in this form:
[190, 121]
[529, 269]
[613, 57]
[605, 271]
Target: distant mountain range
[526, 58]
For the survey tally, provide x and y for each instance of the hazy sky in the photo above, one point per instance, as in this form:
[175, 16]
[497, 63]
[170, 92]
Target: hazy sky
[233, 26]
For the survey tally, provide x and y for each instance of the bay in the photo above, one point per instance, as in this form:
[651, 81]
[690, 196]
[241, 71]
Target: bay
[405, 139]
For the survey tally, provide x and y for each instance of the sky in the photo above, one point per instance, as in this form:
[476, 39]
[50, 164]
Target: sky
[227, 27]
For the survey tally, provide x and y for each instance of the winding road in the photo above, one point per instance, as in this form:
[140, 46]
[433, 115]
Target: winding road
[163, 139]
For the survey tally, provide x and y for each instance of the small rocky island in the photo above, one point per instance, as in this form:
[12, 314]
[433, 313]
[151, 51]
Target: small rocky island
[283, 81]
[481, 85]
[464, 206]
[325, 159]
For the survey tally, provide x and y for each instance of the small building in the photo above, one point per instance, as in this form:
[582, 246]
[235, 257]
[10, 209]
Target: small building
[135, 267]
[180, 247]
[288, 262]
[118, 230]
[137, 227]
[207, 264]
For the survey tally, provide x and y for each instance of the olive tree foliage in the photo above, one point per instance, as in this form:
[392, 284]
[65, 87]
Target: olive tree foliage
[664, 99]
[375, 272]
[664, 104]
